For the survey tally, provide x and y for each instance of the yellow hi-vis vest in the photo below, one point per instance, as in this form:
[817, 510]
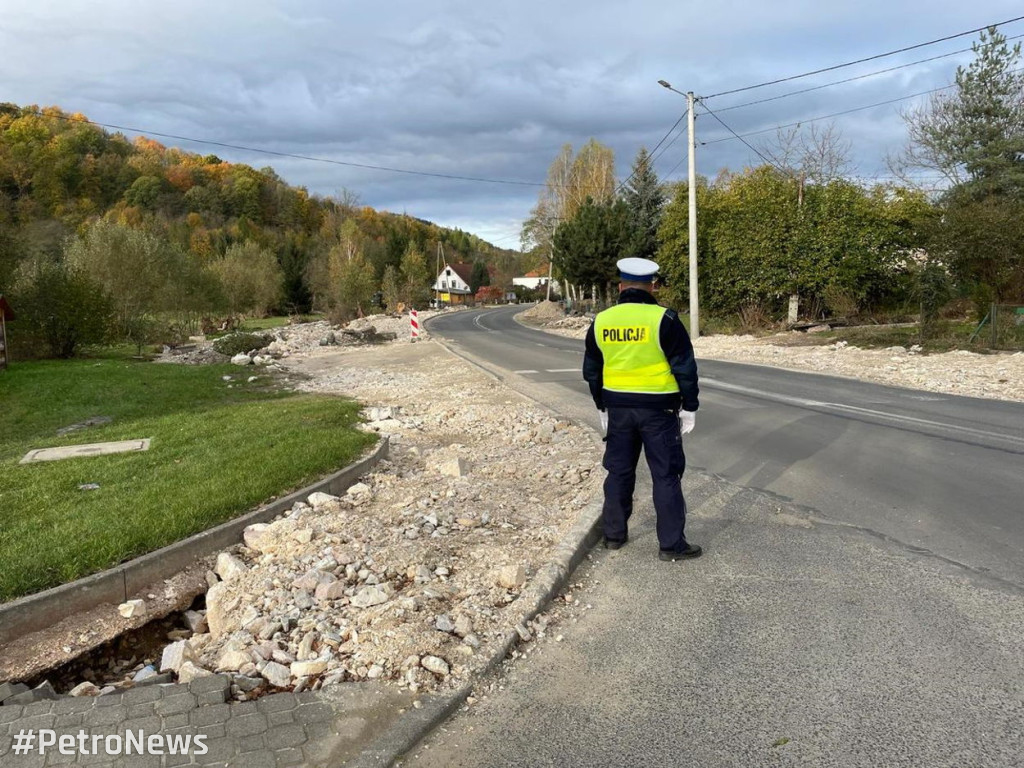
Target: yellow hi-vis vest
[628, 337]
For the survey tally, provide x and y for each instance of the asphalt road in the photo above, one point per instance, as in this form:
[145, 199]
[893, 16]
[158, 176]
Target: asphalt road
[938, 472]
[873, 618]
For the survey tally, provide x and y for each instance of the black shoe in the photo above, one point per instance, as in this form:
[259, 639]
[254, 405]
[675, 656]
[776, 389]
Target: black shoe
[671, 555]
[613, 544]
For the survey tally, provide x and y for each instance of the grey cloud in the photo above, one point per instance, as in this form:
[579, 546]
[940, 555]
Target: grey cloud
[462, 88]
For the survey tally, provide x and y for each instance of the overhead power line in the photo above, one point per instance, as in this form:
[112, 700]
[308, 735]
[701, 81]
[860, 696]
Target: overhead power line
[311, 158]
[838, 114]
[851, 79]
[754, 149]
[668, 133]
[861, 61]
[826, 117]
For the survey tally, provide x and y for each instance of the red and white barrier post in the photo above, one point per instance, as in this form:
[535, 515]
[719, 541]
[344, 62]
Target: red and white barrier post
[414, 323]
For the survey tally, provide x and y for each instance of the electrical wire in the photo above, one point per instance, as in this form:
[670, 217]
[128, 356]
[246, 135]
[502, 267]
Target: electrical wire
[861, 61]
[754, 149]
[826, 117]
[629, 178]
[242, 148]
[852, 79]
[843, 112]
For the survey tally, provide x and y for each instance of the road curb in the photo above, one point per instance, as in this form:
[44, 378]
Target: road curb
[116, 585]
[412, 727]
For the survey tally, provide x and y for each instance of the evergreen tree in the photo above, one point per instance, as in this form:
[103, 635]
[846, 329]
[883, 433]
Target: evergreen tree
[587, 246]
[974, 136]
[479, 277]
[646, 200]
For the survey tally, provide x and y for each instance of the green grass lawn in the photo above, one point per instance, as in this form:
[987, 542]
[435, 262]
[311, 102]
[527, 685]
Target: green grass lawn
[266, 323]
[217, 451]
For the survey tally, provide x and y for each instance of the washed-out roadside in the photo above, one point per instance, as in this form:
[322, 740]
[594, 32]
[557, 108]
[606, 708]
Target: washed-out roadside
[411, 576]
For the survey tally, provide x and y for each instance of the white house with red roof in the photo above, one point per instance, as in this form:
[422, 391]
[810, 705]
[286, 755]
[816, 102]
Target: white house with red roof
[536, 279]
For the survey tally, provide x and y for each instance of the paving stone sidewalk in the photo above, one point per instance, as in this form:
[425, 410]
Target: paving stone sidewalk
[322, 728]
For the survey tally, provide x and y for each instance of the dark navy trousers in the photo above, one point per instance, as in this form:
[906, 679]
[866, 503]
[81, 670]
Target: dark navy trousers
[657, 432]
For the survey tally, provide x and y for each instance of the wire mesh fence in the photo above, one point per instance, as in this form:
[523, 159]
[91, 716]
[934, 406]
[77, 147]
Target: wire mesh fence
[1006, 326]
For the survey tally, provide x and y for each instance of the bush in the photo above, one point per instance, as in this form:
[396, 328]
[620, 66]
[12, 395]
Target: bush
[62, 309]
[237, 343]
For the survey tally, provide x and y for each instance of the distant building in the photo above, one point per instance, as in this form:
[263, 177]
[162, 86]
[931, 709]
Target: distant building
[452, 284]
[536, 279]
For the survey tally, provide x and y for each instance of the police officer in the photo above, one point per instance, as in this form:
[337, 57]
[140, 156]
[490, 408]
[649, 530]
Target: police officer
[643, 377]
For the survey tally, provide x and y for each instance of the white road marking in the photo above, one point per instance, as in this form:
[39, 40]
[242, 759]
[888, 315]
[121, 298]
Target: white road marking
[476, 322]
[525, 371]
[562, 370]
[822, 405]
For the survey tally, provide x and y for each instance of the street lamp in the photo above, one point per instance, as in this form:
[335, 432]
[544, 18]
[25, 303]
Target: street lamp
[692, 184]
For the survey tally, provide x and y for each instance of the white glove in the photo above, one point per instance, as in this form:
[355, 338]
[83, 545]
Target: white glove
[604, 422]
[687, 421]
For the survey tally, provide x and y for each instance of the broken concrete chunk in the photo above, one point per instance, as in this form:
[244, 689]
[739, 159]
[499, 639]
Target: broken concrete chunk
[319, 499]
[232, 661]
[276, 674]
[511, 577]
[310, 580]
[229, 567]
[175, 655]
[333, 591]
[85, 689]
[452, 467]
[309, 668]
[11, 689]
[196, 622]
[436, 665]
[253, 536]
[369, 596]
[132, 608]
[190, 671]
[218, 605]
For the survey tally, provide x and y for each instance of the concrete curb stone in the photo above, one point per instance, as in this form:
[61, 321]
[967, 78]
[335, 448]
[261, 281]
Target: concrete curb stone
[35, 612]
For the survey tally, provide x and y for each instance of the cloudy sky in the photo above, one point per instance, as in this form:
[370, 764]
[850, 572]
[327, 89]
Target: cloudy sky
[481, 89]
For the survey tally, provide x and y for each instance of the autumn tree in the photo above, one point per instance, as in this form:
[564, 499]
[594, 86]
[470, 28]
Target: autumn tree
[60, 307]
[250, 279]
[415, 278]
[137, 269]
[356, 285]
[571, 180]
[390, 289]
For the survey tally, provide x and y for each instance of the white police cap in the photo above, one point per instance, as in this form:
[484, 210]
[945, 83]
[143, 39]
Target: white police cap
[637, 270]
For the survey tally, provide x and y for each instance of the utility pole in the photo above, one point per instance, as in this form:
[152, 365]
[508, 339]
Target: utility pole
[692, 189]
[551, 258]
[694, 311]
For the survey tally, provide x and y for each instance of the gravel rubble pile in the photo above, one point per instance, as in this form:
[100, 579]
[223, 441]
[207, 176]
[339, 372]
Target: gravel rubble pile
[543, 312]
[412, 575]
[303, 338]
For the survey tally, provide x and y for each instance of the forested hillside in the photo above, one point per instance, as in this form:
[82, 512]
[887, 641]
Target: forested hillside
[144, 240]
